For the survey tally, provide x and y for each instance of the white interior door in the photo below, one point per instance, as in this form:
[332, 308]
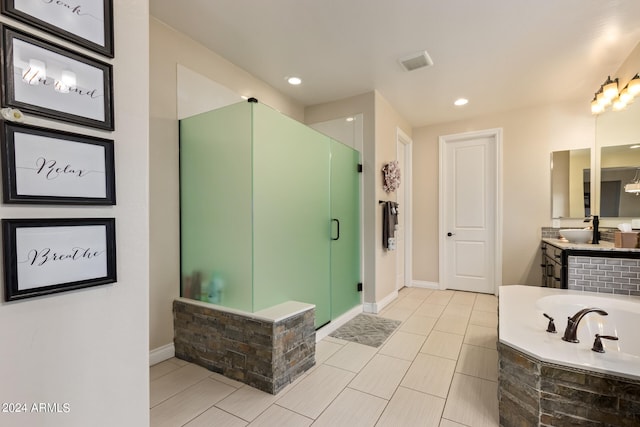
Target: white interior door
[469, 211]
[401, 230]
[404, 199]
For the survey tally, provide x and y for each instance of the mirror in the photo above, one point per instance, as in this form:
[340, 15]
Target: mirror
[571, 183]
[618, 136]
[618, 166]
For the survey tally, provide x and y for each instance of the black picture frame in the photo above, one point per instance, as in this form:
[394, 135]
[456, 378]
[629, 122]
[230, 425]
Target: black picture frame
[87, 23]
[50, 81]
[47, 256]
[44, 166]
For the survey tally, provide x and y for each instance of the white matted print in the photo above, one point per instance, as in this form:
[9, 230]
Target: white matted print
[88, 23]
[56, 167]
[44, 256]
[50, 255]
[84, 98]
[53, 82]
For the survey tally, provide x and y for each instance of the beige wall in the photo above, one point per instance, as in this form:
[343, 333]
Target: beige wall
[89, 348]
[387, 122]
[579, 161]
[168, 48]
[529, 136]
[629, 68]
[560, 184]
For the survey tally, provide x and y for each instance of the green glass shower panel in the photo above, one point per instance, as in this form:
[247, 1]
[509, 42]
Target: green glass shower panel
[215, 192]
[291, 165]
[345, 243]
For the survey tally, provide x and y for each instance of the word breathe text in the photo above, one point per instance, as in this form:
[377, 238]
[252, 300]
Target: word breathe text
[45, 256]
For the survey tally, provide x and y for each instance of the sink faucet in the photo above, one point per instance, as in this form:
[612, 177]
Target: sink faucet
[596, 234]
[595, 239]
[570, 334]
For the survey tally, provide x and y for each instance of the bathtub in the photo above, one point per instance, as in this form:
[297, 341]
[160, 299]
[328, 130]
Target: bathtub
[522, 326]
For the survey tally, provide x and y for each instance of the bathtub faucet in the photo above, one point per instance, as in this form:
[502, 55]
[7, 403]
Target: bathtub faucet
[571, 333]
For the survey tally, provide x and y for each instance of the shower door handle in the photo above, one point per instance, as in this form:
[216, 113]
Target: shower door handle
[338, 228]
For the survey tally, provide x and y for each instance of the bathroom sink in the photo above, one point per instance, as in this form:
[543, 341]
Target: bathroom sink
[577, 235]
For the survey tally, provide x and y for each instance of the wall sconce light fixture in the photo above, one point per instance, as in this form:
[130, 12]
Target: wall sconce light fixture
[610, 94]
[634, 185]
[67, 80]
[36, 72]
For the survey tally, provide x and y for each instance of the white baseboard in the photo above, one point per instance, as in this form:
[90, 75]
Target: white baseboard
[425, 285]
[335, 324]
[376, 307]
[369, 307]
[161, 354]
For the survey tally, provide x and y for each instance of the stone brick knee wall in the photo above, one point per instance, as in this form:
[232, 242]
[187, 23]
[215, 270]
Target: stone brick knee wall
[535, 393]
[264, 354]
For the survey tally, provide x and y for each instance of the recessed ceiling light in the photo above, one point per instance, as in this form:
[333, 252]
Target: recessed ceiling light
[349, 119]
[294, 80]
[635, 146]
[460, 102]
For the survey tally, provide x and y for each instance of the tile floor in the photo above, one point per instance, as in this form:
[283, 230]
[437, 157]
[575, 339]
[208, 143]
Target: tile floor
[439, 368]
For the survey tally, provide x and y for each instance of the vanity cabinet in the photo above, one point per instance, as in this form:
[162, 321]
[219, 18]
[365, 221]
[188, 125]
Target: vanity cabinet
[554, 266]
[585, 267]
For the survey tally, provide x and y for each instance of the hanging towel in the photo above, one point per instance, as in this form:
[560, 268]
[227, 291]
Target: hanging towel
[389, 225]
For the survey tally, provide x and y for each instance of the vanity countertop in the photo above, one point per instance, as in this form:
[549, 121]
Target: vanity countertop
[602, 246]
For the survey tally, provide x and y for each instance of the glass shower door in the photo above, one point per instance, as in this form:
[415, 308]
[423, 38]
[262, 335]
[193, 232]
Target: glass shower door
[345, 217]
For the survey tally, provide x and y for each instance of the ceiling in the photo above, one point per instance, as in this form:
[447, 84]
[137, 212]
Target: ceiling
[500, 54]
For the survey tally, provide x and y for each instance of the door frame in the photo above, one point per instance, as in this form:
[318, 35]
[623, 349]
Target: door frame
[496, 135]
[407, 187]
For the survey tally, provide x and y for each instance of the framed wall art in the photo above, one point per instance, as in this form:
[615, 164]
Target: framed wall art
[53, 82]
[88, 23]
[46, 256]
[43, 166]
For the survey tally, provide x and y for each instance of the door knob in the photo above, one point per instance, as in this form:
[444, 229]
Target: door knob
[451, 234]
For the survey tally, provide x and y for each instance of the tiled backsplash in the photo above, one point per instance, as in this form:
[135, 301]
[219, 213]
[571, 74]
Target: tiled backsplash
[550, 233]
[619, 276]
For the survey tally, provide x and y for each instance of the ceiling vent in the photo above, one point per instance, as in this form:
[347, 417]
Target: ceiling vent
[416, 61]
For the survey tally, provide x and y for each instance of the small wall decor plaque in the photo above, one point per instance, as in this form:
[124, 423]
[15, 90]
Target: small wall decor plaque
[88, 23]
[46, 256]
[391, 176]
[43, 166]
[48, 80]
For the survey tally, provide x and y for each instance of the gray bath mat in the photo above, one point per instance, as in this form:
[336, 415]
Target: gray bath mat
[366, 329]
